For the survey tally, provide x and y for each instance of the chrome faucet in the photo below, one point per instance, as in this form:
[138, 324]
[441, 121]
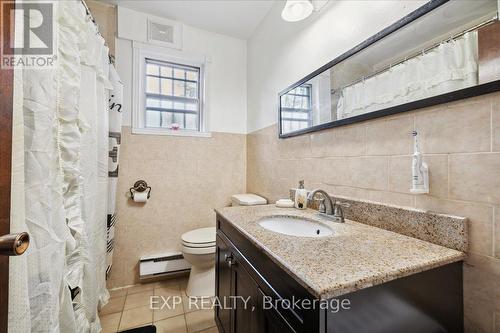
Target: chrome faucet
[328, 208]
[326, 204]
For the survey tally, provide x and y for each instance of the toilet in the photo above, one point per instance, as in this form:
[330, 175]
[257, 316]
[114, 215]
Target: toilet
[198, 248]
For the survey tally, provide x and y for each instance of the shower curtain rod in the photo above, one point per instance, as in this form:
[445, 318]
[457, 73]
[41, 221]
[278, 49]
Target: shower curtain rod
[416, 54]
[89, 14]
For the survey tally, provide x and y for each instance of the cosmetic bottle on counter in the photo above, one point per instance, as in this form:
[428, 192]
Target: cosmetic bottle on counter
[301, 196]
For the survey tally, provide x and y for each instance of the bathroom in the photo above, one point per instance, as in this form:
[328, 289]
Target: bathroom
[173, 169]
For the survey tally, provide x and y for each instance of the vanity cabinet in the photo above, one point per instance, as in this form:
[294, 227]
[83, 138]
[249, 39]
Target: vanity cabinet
[244, 313]
[430, 301]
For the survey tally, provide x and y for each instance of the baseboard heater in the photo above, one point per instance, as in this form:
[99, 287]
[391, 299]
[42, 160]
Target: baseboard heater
[162, 265]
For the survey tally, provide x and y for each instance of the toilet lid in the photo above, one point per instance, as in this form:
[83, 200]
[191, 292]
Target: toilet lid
[249, 199]
[205, 236]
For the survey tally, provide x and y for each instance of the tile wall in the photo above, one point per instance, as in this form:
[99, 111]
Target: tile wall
[372, 161]
[189, 176]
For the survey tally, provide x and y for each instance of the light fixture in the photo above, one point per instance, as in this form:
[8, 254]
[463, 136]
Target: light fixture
[296, 10]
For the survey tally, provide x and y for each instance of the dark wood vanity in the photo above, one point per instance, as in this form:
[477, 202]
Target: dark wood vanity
[429, 301]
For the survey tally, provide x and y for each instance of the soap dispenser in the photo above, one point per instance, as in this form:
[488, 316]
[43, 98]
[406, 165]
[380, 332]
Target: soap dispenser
[419, 170]
[301, 196]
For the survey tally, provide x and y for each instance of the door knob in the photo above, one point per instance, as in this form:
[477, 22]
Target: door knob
[230, 259]
[14, 244]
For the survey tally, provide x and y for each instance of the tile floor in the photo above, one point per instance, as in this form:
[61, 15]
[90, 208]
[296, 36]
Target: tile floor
[131, 307]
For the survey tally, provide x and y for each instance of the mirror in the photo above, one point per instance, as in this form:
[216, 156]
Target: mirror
[444, 51]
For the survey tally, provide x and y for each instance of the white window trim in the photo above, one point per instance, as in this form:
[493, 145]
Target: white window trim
[143, 51]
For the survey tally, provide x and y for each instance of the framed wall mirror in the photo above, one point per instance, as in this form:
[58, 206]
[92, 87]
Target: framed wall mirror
[444, 51]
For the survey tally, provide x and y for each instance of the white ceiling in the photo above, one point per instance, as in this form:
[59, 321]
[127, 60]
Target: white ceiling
[237, 18]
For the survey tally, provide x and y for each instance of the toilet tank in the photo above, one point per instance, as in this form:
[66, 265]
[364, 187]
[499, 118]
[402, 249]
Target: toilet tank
[247, 200]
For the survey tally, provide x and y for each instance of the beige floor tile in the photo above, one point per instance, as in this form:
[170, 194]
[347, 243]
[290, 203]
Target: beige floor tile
[167, 291]
[117, 292]
[110, 322]
[199, 320]
[194, 304]
[172, 283]
[136, 317]
[140, 288]
[210, 330]
[137, 300]
[170, 309]
[183, 284]
[171, 325]
[114, 305]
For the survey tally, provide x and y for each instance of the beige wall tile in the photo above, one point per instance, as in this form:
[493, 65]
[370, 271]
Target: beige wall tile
[117, 292]
[105, 16]
[495, 126]
[299, 146]
[475, 177]
[361, 172]
[205, 170]
[400, 174]
[464, 176]
[456, 129]
[480, 220]
[340, 141]
[392, 136]
[481, 292]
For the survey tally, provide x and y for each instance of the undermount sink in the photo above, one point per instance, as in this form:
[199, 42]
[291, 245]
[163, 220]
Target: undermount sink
[294, 226]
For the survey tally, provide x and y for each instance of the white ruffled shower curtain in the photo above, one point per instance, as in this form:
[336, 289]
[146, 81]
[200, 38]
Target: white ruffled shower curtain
[450, 66]
[60, 190]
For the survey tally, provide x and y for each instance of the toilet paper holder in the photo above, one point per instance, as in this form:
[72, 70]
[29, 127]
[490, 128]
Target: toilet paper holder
[140, 186]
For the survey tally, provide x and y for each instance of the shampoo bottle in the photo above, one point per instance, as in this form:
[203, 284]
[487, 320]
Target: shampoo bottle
[301, 196]
[419, 170]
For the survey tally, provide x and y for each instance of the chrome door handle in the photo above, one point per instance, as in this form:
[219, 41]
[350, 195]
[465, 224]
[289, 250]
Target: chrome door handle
[14, 244]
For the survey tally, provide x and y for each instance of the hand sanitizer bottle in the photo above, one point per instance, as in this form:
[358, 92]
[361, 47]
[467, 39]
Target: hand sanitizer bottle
[301, 196]
[419, 170]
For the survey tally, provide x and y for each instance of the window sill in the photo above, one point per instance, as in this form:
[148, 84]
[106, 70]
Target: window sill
[168, 132]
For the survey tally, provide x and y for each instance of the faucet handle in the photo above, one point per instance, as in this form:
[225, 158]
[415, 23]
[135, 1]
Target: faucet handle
[338, 212]
[342, 204]
[322, 207]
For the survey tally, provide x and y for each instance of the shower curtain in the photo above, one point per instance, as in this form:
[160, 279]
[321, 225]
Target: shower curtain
[115, 137]
[61, 182]
[451, 66]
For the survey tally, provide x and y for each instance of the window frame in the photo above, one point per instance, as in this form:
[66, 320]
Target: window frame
[143, 52]
[308, 111]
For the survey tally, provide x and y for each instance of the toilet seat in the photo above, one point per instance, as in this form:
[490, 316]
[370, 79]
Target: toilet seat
[199, 241]
[198, 250]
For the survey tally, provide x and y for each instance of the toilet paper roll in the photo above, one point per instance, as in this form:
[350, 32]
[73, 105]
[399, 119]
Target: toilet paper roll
[141, 196]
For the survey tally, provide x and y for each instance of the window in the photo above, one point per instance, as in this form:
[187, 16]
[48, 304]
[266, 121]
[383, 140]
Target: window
[172, 95]
[296, 109]
[168, 93]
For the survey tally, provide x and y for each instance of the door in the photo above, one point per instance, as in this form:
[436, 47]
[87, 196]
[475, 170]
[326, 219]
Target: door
[223, 285]
[10, 245]
[6, 93]
[270, 320]
[247, 317]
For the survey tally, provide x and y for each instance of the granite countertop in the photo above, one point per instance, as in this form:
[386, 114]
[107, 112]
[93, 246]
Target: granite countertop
[354, 257]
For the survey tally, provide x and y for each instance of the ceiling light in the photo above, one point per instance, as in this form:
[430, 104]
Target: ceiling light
[296, 10]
